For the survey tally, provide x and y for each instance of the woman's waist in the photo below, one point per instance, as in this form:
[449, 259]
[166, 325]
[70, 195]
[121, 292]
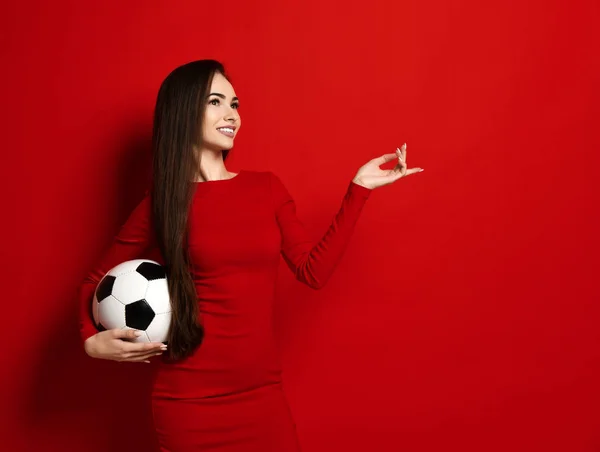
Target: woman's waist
[198, 379]
[221, 363]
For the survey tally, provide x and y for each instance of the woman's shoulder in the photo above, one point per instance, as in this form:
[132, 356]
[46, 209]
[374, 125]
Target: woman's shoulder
[265, 179]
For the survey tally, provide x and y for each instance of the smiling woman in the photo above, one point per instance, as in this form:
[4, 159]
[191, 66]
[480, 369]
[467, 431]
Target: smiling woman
[220, 240]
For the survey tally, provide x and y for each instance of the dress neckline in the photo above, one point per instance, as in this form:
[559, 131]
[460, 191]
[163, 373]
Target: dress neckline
[219, 181]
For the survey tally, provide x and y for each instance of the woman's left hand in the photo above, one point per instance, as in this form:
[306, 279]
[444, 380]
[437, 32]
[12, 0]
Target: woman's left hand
[371, 176]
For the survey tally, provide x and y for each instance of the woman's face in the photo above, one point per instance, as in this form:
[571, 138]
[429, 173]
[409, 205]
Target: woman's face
[221, 118]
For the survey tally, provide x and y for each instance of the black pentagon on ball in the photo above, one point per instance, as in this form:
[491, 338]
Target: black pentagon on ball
[139, 315]
[105, 287]
[151, 271]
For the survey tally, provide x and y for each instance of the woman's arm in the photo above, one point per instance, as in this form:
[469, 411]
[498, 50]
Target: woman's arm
[313, 263]
[134, 237]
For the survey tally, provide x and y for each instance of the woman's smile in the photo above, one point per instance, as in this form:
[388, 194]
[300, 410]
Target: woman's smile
[228, 131]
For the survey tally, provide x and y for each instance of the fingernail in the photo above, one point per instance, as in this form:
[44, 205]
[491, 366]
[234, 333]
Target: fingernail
[138, 333]
[147, 361]
[423, 169]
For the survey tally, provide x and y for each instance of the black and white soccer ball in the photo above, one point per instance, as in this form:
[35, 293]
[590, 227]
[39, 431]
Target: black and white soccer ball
[135, 295]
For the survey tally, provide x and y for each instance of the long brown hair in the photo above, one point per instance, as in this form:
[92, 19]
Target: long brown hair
[178, 119]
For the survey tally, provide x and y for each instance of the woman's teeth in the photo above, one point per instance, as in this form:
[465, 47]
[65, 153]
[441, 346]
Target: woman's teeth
[226, 131]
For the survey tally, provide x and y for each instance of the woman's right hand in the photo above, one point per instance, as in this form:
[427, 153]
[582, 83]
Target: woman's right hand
[115, 344]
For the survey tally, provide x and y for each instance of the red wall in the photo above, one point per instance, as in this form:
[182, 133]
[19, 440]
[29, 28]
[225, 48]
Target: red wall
[464, 314]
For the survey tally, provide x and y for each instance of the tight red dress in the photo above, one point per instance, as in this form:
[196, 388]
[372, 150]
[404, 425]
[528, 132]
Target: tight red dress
[228, 396]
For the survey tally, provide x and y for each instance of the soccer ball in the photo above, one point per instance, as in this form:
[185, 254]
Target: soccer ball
[134, 294]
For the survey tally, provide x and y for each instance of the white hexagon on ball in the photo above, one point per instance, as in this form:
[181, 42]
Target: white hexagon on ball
[157, 296]
[130, 287]
[111, 313]
[158, 330]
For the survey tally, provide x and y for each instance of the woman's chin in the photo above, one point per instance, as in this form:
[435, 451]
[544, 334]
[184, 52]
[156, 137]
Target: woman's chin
[222, 145]
[227, 144]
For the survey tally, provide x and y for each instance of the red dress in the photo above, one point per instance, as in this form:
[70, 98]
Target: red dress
[228, 396]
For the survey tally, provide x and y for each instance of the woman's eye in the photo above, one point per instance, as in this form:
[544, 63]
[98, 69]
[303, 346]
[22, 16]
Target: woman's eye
[212, 101]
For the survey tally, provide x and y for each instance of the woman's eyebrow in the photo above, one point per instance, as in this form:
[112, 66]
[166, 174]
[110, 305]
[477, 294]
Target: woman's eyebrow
[222, 96]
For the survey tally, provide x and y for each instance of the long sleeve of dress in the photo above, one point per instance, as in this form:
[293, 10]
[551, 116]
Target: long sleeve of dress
[133, 238]
[313, 263]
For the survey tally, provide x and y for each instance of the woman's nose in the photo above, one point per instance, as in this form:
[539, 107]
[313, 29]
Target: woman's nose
[231, 115]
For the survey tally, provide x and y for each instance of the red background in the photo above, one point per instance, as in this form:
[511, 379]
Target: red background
[464, 314]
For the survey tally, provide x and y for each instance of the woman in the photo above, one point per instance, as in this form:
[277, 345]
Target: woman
[219, 236]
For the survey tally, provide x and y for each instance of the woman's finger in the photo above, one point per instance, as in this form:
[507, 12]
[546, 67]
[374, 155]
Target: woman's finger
[408, 172]
[131, 357]
[144, 358]
[136, 352]
[401, 153]
[413, 171]
[140, 347]
[395, 170]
